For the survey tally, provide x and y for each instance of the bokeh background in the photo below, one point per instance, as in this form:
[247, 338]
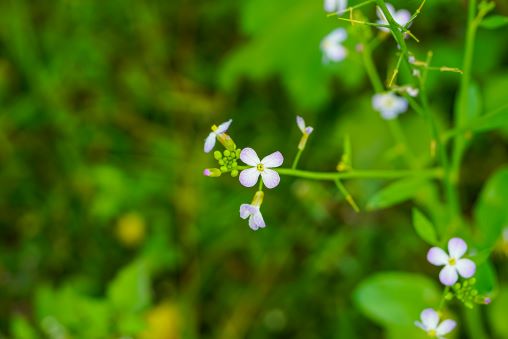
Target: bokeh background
[108, 228]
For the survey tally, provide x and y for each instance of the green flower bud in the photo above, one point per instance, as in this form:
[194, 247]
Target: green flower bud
[221, 162]
[234, 173]
[227, 153]
[223, 169]
[217, 155]
[449, 296]
[212, 172]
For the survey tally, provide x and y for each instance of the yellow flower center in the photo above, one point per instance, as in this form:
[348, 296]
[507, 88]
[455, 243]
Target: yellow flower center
[260, 167]
[452, 261]
[432, 333]
[214, 128]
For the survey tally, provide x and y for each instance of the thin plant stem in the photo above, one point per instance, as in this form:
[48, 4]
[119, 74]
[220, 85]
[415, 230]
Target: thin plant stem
[347, 195]
[297, 158]
[362, 174]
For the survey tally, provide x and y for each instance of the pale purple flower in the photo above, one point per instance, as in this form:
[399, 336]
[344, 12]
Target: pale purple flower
[401, 17]
[335, 6]
[331, 46]
[249, 177]
[216, 131]
[301, 125]
[454, 264]
[253, 212]
[389, 105]
[430, 324]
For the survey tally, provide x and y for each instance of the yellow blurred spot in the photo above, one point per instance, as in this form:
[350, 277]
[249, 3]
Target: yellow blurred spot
[163, 322]
[130, 229]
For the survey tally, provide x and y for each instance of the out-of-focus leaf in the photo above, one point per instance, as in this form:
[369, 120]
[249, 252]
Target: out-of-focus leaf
[404, 332]
[424, 228]
[395, 193]
[21, 328]
[497, 313]
[494, 21]
[486, 280]
[491, 214]
[130, 291]
[395, 298]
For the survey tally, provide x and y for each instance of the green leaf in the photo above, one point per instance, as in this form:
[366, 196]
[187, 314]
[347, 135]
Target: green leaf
[395, 298]
[490, 121]
[21, 328]
[491, 214]
[395, 193]
[424, 228]
[130, 291]
[486, 279]
[497, 313]
[494, 22]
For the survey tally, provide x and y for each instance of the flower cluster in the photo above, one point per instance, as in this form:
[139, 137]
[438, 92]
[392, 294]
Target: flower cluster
[256, 167]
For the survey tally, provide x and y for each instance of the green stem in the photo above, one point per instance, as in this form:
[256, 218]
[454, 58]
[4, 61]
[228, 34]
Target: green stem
[365, 174]
[443, 299]
[297, 158]
[347, 195]
[473, 323]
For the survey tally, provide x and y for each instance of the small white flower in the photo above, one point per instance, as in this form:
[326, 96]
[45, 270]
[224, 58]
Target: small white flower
[249, 177]
[454, 264]
[252, 211]
[430, 324]
[301, 125]
[389, 105]
[331, 46]
[335, 6]
[401, 17]
[412, 91]
[216, 131]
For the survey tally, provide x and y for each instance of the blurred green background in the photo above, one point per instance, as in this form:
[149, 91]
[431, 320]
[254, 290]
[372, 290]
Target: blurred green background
[108, 228]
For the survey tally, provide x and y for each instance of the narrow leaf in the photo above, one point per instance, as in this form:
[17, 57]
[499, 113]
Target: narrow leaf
[395, 193]
[424, 228]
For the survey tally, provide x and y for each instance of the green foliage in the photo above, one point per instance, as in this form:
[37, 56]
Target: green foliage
[395, 193]
[424, 228]
[494, 22]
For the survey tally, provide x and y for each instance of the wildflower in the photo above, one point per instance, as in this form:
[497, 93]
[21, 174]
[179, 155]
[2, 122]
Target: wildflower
[217, 132]
[253, 212]
[306, 131]
[331, 46]
[338, 6]
[249, 177]
[430, 324]
[389, 105]
[401, 17]
[454, 264]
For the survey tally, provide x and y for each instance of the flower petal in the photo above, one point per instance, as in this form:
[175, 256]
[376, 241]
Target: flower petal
[335, 52]
[249, 156]
[330, 5]
[209, 142]
[420, 325]
[402, 17]
[256, 221]
[466, 268]
[301, 123]
[401, 105]
[446, 327]
[249, 177]
[457, 247]
[223, 127]
[308, 130]
[430, 319]
[270, 178]
[341, 5]
[337, 35]
[436, 256]
[448, 275]
[247, 210]
[273, 160]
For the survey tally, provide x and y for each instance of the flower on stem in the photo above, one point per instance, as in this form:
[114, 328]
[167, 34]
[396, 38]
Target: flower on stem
[252, 211]
[389, 105]
[306, 131]
[331, 46]
[337, 6]
[212, 172]
[249, 177]
[401, 17]
[218, 132]
[454, 264]
[430, 324]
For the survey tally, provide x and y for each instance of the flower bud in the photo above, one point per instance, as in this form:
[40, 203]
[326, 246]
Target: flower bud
[217, 155]
[258, 198]
[212, 172]
[234, 173]
[226, 141]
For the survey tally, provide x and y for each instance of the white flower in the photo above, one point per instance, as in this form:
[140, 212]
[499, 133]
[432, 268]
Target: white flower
[412, 91]
[389, 105]
[454, 264]
[301, 125]
[249, 177]
[401, 17]
[216, 131]
[331, 46]
[335, 5]
[430, 324]
[252, 211]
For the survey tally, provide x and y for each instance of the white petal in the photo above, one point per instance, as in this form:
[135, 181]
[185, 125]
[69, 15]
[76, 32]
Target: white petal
[330, 5]
[223, 127]
[377, 101]
[335, 53]
[341, 5]
[249, 156]
[249, 177]
[430, 319]
[401, 105]
[308, 130]
[466, 267]
[256, 221]
[457, 247]
[448, 275]
[381, 15]
[391, 9]
[270, 178]
[388, 113]
[402, 17]
[420, 325]
[337, 35]
[273, 160]
[301, 123]
[246, 210]
[209, 142]
[446, 327]
[436, 256]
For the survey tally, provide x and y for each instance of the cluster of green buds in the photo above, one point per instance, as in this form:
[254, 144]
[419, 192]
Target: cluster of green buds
[467, 293]
[228, 161]
[228, 158]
